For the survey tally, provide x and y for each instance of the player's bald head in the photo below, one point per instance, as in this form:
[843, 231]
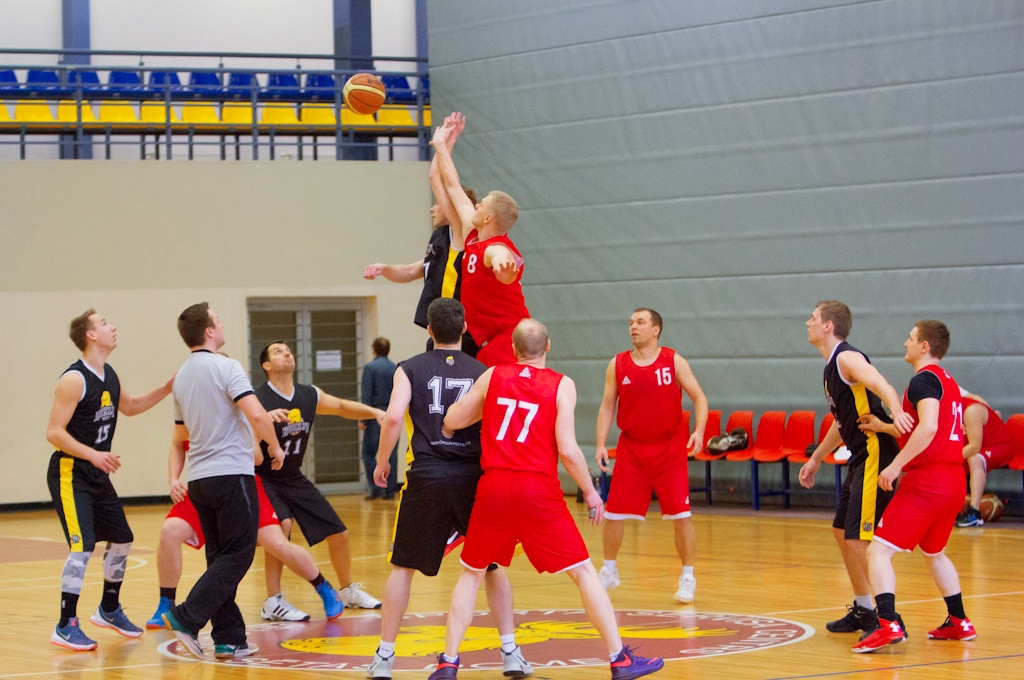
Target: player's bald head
[530, 339]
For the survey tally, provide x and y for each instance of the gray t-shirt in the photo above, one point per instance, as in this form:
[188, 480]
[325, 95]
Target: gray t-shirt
[220, 438]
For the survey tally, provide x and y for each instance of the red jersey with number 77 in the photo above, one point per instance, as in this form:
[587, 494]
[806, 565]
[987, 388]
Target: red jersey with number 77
[491, 306]
[650, 399]
[948, 443]
[518, 429]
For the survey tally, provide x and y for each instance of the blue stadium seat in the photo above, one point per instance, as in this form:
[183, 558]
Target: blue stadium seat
[161, 80]
[425, 86]
[320, 86]
[89, 80]
[398, 90]
[9, 85]
[124, 83]
[283, 86]
[41, 82]
[240, 84]
[204, 85]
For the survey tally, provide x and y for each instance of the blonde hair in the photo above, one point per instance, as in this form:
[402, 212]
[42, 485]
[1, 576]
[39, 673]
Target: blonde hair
[504, 208]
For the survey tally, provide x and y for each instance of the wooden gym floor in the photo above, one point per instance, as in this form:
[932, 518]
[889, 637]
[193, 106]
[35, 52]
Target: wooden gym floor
[776, 573]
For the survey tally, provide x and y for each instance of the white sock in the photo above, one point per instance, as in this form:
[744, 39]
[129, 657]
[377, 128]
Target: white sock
[687, 571]
[386, 649]
[450, 659]
[610, 566]
[613, 657]
[508, 643]
[864, 601]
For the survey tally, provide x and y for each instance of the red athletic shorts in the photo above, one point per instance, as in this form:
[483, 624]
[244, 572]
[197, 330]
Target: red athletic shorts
[498, 350]
[186, 511]
[527, 508]
[995, 457]
[641, 467]
[923, 510]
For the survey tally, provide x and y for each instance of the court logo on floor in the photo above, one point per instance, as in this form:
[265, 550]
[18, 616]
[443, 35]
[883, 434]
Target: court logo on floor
[553, 638]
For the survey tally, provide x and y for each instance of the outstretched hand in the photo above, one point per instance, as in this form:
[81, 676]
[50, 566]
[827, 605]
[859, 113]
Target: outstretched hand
[372, 271]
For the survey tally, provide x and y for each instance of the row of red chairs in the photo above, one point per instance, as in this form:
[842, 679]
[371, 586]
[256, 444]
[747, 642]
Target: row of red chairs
[782, 442]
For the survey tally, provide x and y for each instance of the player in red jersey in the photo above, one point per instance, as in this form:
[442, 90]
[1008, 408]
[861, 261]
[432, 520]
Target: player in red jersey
[492, 266]
[528, 414]
[988, 447]
[926, 503]
[648, 383]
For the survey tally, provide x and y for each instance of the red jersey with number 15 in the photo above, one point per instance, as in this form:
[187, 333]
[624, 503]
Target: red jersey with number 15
[947, 445]
[491, 306]
[518, 431]
[650, 399]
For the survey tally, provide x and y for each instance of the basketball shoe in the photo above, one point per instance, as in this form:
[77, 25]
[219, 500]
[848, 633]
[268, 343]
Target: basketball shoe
[116, 621]
[71, 636]
[277, 608]
[353, 597]
[234, 651]
[887, 633]
[971, 518]
[333, 605]
[857, 618]
[157, 620]
[954, 629]
[628, 665]
[446, 670]
[687, 584]
[381, 666]
[608, 578]
[515, 666]
[187, 638]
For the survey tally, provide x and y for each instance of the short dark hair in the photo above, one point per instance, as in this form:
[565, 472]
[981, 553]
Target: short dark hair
[265, 354]
[935, 334]
[381, 347]
[655, 318]
[470, 194]
[446, 317]
[81, 325]
[193, 322]
[839, 314]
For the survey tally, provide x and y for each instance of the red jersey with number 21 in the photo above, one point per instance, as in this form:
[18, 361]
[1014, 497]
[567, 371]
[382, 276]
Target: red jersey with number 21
[520, 409]
[650, 399]
[947, 445]
[491, 306]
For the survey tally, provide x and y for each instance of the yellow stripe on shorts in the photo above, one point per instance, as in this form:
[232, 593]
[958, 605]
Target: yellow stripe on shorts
[67, 502]
[451, 274]
[869, 489]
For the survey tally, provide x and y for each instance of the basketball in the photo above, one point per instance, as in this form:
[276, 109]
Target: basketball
[364, 93]
[991, 507]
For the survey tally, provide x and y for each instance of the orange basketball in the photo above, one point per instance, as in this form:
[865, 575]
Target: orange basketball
[364, 93]
[991, 507]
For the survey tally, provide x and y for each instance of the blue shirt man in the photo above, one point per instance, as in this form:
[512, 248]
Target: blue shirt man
[378, 377]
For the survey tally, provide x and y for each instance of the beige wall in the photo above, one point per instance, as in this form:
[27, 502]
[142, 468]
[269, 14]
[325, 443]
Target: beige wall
[140, 241]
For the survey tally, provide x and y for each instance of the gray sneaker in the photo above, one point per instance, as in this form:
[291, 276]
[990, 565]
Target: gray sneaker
[235, 651]
[187, 638]
[381, 666]
[116, 621]
[515, 665]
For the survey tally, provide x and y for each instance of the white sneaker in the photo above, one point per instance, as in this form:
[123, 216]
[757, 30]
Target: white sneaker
[609, 579]
[277, 608]
[353, 597]
[687, 584]
[515, 665]
[381, 667]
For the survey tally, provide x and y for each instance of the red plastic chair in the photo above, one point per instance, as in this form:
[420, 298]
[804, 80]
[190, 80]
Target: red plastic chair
[767, 448]
[826, 425]
[713, 428]
[1016, 426]
[799, 435]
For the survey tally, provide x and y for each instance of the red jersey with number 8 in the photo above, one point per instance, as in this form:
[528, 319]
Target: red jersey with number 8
[491, 306]
[518, 430]
[948, 443]
[650, 399]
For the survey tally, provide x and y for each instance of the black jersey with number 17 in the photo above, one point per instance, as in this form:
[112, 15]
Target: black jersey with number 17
[438, 378]
[848, 403]
[292, 435]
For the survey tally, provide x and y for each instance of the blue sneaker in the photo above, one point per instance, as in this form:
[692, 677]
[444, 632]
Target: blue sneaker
[628, 666]
[72, 637]
[157, 620]
[333, 606]
[186, 637]
[234, 651]
[446, 670]
[117, 621]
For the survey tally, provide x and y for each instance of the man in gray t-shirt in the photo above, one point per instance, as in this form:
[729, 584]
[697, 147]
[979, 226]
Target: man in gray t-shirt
[216, 411]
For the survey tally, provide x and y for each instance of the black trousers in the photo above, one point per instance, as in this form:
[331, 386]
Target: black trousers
[229, 515]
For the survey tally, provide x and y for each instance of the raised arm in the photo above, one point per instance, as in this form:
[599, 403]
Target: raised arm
[133, 406]
[351, 410]
[263, 426]
[569, 450]
[397, 273]
[470, 408]
[688, 383]
[65, 399]
[464, 207]
[444, 202]
[176, 463]
[605, 415]
[391, 426]
[855, 367]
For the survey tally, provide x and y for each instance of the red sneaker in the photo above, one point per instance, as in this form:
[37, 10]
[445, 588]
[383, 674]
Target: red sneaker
[887, 633]
[954, 629]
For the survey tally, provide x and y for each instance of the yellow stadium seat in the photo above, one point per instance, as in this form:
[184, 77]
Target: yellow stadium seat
[395, 116]
[4, 116]
[426, 116]
[279, 114]
[26, 111]
[237, 114]
[156, 112]
[318, 114]
[199, 113]
[117, 112]
[349, 117]
[67, 112]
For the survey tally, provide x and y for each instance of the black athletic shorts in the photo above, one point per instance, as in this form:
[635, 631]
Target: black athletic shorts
[86, 503]
[435, 503]
[295, 497]
[856, 518]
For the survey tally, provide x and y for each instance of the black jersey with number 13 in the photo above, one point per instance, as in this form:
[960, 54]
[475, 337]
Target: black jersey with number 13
[293, 435]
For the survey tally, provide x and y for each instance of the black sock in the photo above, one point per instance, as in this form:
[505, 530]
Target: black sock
[111, 592]
[318, 580]
[955, 606]
[169, 593]
[886, 603]
[68, 608]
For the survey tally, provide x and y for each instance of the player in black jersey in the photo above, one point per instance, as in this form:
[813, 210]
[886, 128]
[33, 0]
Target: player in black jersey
[293, 496]
[81, 428]
[440, 485]
[441, 266]
[854, 388]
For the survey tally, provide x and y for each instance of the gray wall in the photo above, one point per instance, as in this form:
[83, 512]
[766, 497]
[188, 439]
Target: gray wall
[730, 163]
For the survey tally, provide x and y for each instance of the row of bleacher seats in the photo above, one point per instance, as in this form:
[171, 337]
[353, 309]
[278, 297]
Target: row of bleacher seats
[781, 442]
[206, 85]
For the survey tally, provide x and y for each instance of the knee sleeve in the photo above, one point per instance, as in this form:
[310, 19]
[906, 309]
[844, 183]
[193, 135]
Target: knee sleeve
[74, 572]
[115, 559]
